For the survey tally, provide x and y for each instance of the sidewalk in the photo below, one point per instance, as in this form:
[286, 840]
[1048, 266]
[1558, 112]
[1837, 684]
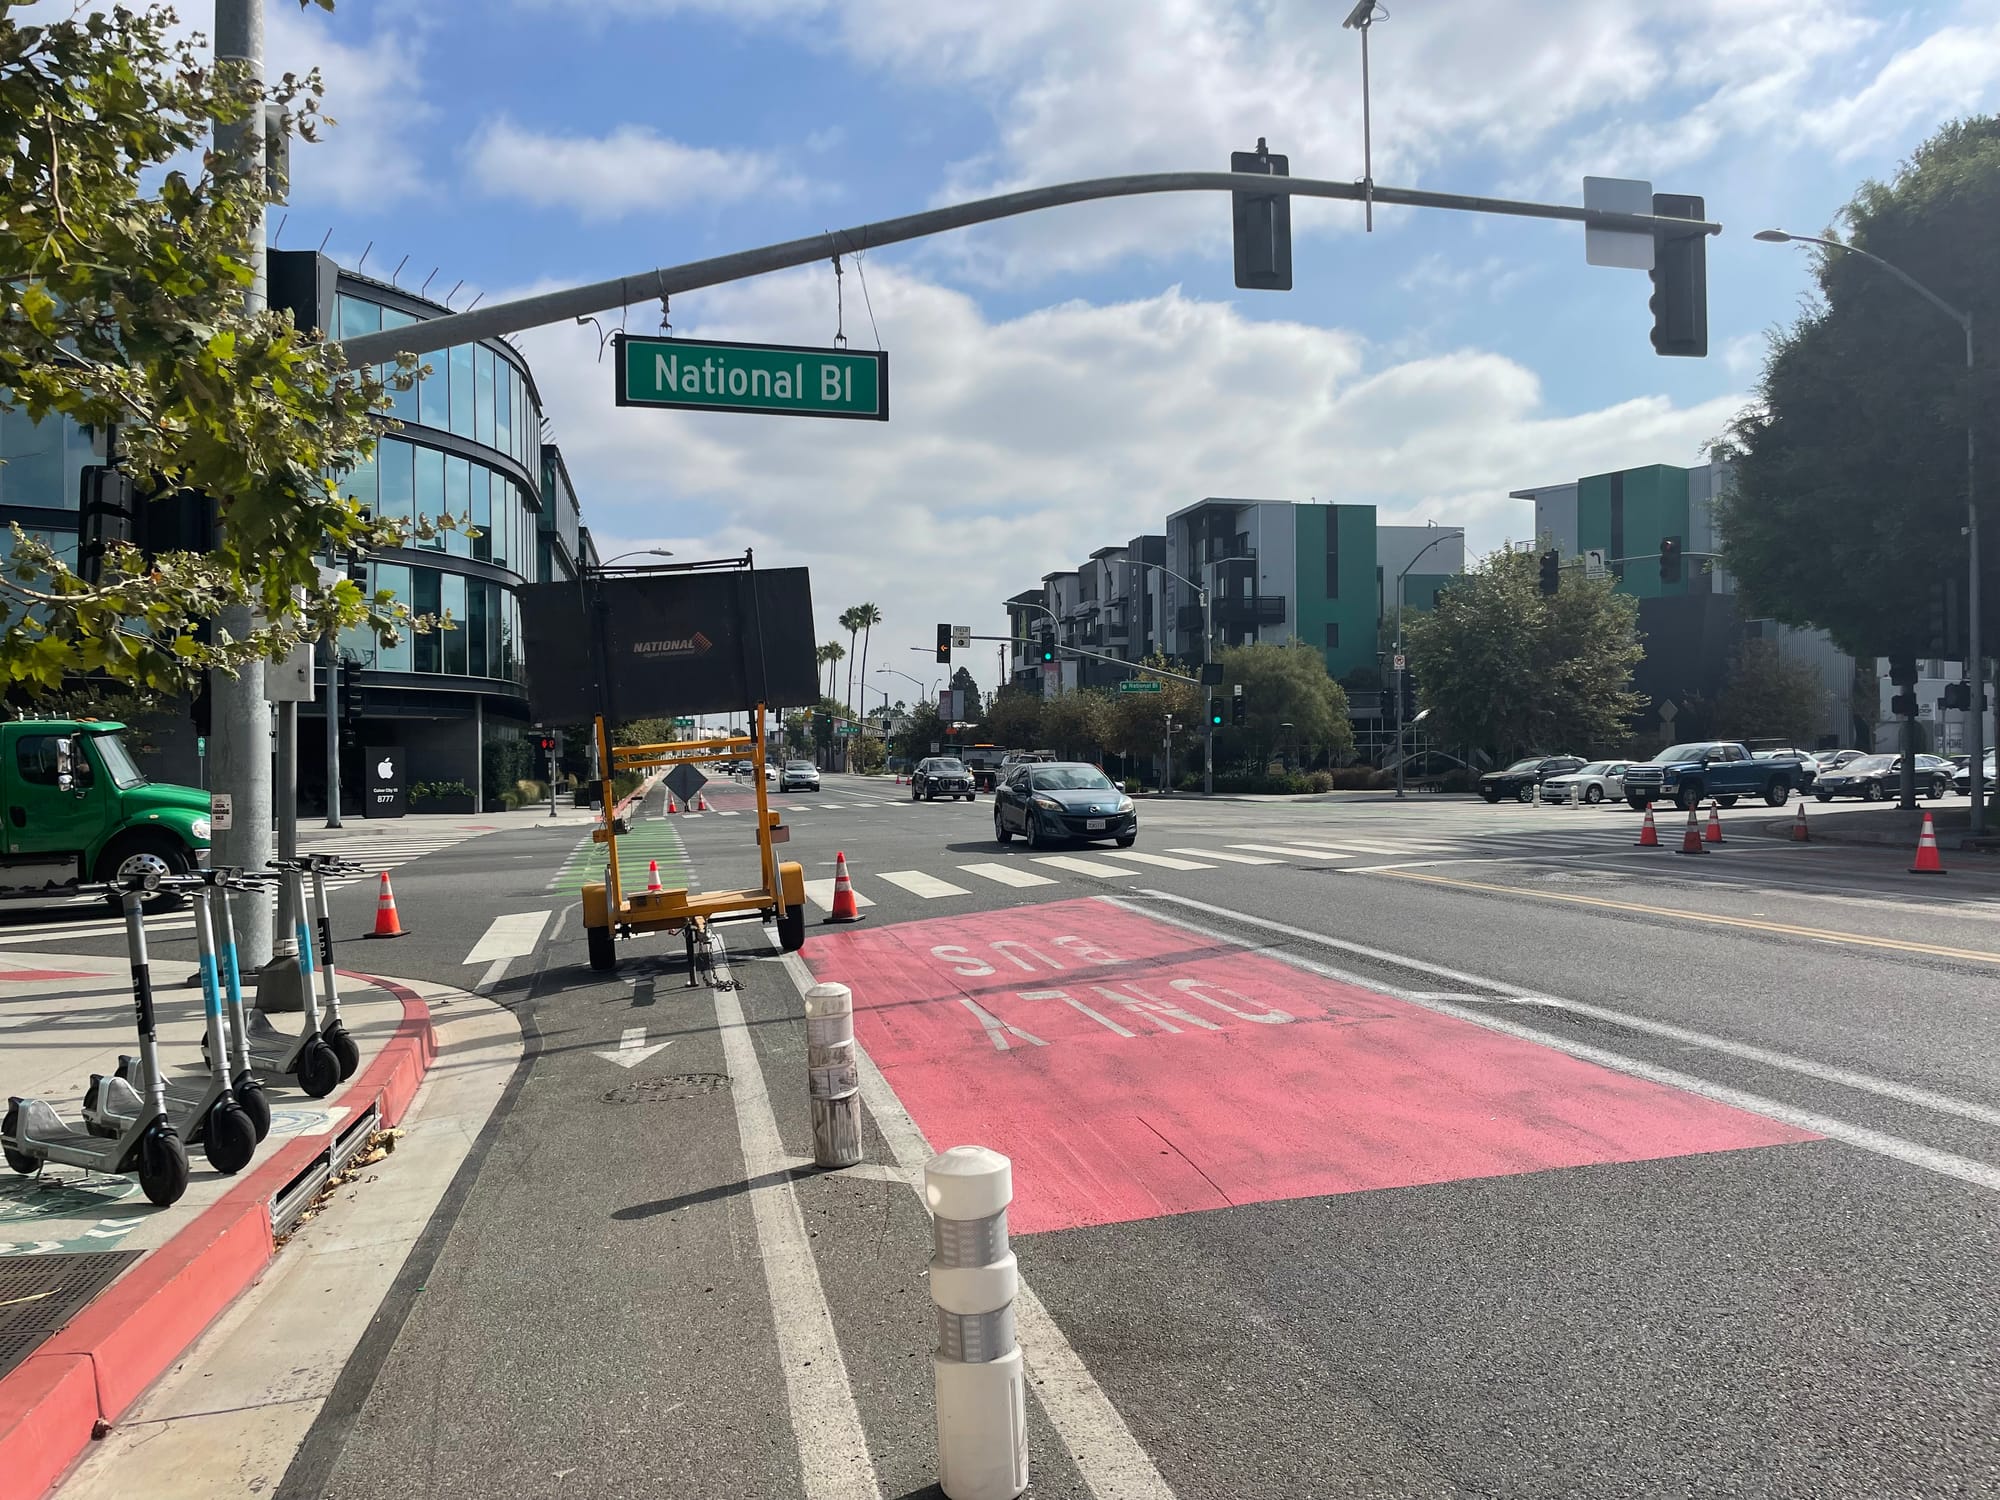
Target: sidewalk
[1875, 823]
[106, 1290]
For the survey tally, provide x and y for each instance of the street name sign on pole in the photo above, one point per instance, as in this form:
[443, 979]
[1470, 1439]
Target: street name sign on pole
[1139, 685]
[1618, 247]
[775, 379]
[961, 636]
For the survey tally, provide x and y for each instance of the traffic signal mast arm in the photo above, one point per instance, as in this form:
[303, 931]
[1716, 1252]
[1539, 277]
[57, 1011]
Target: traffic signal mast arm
[1136, 666]
[666, 281]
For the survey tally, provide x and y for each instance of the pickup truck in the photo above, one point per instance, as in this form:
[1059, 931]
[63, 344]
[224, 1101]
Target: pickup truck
[78, 809]
[1688, 775]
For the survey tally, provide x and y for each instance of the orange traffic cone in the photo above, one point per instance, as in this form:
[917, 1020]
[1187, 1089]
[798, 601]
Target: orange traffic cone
[671, 808]
[387, 924]
[704, 802]
[1691, 840]
[1799, 834]
[1649, 836]
[653, 886]
[844, 909]
[1713, 833]
[1928, 862]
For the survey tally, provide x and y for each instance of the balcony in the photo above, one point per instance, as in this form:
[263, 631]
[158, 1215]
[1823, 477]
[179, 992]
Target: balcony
[1258, 609]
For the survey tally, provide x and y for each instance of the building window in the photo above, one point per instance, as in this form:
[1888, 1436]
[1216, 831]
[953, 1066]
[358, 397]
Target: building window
[482, 395]
[403, 405]
[1333, 635]
[430, 491]
[357, 315]
[463, 391]
[44, 461]
[483, 482]
[425, 595]
[503, 411]
[360, 483]
[395, 463]
[434, 391]
[396, 579]
[453, 598]
[1618, 520]
[1333, 554]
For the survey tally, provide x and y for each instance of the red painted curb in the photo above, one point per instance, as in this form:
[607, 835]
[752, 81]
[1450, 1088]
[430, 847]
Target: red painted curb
[114, 1350]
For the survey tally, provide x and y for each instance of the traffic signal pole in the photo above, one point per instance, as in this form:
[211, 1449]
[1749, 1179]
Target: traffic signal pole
[330, 662]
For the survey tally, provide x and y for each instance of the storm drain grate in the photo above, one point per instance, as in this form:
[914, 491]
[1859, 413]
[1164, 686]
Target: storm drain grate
[39, 1294]
[674, 1086]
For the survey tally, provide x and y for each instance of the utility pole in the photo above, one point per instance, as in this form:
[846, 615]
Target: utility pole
[1167, 781]
[241, 734]
[329, 656]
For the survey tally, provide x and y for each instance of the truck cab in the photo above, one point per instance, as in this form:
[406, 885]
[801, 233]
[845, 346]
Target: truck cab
[75, 807]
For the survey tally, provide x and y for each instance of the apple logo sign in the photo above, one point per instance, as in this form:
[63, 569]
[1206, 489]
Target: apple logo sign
[387, 769]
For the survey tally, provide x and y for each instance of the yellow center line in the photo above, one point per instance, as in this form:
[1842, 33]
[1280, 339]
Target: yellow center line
[1854, 939]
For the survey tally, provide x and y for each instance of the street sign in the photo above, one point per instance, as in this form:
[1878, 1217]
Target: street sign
[221, 811]
[778, 379]
[1400, 661]
[1625, 248]
[961, 636]
[1593, 562]
[846, 730]
[1139, 685]
[684, 781]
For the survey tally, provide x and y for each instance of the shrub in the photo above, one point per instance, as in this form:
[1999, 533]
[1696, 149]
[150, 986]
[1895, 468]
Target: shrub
[531, 790]
[624, 784]
[1131, 786]
[1319, 781]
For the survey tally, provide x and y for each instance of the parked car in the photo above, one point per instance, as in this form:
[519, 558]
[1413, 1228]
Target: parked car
[1809, 763]
[1688, 775]
[770, 770]
[1049, 801]
[1594, 782]
[1520, 779]
[799, 776]
[1961, 779]
[1874, 778]
[941, 776]
[1833, 760]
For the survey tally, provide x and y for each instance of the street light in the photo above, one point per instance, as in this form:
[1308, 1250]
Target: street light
[1975, 665]
[1443, 536]
[639, 552]
[1207, 646]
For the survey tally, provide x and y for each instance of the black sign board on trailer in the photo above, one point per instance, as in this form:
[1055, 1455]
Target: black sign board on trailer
[669, 643]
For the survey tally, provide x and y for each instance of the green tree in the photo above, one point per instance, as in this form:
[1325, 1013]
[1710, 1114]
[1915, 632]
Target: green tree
[868, 617]
[1075, 724]
[1136, 723]
[1769, 695]
[830, 655]
[1014, 718]
[1851, 464]
[1508, 669]
[850, 621]
[923, 730]
[1283, 685]
[962, 680]
[122, 258]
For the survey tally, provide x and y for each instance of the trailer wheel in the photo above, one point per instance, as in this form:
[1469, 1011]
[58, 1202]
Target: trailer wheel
[603, 951]
[792, 929]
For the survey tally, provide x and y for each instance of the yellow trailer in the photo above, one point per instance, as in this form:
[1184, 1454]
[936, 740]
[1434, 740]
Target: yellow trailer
[609, 913]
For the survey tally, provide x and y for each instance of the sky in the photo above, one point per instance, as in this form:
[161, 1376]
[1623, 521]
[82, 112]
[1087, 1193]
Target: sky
[1064, 381]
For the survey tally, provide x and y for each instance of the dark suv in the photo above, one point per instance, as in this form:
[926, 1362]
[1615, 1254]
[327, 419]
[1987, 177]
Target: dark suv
[941, 776]
[1520, 779]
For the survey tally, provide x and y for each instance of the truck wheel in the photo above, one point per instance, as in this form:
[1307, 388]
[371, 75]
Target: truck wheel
[792, 929]
[603, 950]
[1688, 797]
[144, 852]
[1778, 793]
[1727, 801]
[1637, 804]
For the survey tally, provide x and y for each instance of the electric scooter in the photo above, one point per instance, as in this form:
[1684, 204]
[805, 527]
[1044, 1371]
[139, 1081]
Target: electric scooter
[309, 1056]
[344, 1046]
[211, 1112]
[32, 1134]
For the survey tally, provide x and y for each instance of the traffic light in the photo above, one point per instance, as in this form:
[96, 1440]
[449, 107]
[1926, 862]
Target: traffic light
[1551, 571]
[546, 744]
[1239, 706]
[107, 515]
[1048, 644]
[944, 644]
[1670, 559]
[1904, 704]
[1958, 695]
[1263, 224]
[1680, 280]
[1214, 713]
[1409, 691]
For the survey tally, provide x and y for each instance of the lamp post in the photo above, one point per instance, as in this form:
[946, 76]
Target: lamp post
[1442, 536]
[637, 552]
[1207, 693]
[1975, 664]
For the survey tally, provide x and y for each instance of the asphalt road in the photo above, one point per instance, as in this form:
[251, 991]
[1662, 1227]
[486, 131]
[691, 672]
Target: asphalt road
[1427, 1149]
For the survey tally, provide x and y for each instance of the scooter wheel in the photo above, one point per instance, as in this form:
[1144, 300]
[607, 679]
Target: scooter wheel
[228, 1137]
[345, 1048]
[318, 1070]
[163, 1167]
[256, 1104]
[22, 1164]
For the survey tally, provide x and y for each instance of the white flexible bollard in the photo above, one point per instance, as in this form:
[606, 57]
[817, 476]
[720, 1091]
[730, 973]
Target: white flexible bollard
[831, 1077]
[981, 1399]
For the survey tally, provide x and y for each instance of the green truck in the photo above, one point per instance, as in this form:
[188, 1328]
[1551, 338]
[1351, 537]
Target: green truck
[78, 809]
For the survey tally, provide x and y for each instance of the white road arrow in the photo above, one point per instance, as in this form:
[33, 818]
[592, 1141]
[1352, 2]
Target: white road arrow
[632, 1048]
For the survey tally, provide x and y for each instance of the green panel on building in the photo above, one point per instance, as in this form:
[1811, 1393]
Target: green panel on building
[1627, 514]
[1336, 587]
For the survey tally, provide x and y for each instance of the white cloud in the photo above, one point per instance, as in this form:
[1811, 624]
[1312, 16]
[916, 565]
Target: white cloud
[1948, 72]
[373, 91]
[631, 170]
[1020, 445]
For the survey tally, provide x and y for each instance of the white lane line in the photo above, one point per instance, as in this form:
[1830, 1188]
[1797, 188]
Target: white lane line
[1945, 1163]
[1006, 875]
[1163, 861]
[826, 1424]
[1080, 866]
[833, 806]
[1234, 859]
[1296, 851]
[511, 936]
[738, 812]
[1099, 1443]
[917, 883]
[820, 893]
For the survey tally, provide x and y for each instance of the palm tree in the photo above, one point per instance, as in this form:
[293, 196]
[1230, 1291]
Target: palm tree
[829, 656]
[850, 621]
[869, 617]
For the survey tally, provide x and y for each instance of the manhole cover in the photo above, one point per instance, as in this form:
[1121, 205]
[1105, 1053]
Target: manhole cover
[40, 1293]
[674, 1086]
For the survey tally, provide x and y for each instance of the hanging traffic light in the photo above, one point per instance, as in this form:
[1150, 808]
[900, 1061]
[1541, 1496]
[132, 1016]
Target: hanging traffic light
[1263, 224]
[1048, 645]
[1239, 706]
[1551, 571]
[1214, 713]
[107, 516]
[944, 644]
[1680, 280]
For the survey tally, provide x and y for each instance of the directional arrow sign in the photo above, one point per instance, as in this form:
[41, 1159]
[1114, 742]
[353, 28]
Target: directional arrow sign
[684, 781]
[633, 1048]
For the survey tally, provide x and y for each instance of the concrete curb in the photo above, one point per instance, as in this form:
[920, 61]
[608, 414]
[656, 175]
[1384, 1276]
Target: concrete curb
[93, 1371]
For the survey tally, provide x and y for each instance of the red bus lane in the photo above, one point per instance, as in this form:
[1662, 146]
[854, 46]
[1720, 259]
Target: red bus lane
[1133, 1069]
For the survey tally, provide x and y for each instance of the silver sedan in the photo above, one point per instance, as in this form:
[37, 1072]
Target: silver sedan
[1600, 781]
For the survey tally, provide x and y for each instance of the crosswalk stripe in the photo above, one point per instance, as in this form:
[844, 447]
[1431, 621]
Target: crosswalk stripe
[1296, 851]
[917, 883]
[730, 813]
[510, 936]
[1234, 859]
[1161, 860]
[1080, 866]
[820, 893]
[1006, 875]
